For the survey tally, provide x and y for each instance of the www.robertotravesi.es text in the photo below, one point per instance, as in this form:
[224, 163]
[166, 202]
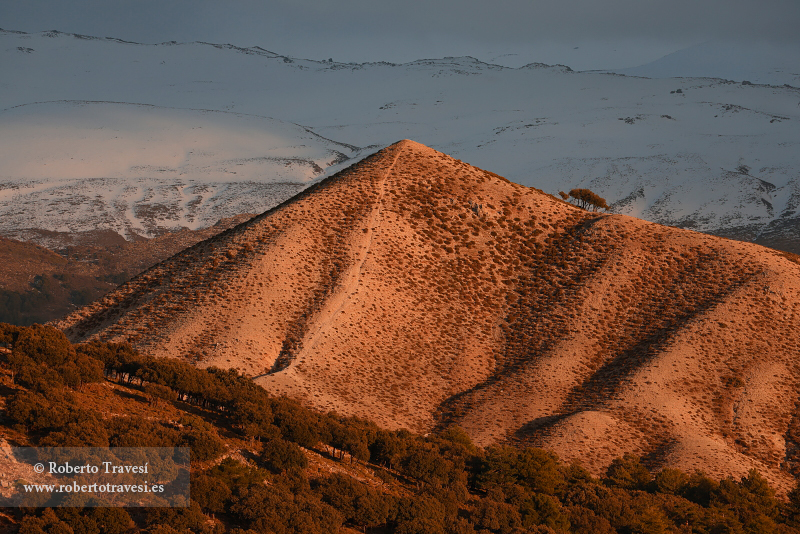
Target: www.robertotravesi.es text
[94, 488]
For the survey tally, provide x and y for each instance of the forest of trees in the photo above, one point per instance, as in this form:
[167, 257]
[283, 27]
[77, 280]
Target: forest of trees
[439, 484]
[22, 308]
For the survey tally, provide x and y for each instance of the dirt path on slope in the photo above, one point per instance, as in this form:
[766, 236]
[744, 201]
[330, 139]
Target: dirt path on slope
[351, 278]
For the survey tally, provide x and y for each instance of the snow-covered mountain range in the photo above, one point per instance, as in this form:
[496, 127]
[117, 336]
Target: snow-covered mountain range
[98, 132]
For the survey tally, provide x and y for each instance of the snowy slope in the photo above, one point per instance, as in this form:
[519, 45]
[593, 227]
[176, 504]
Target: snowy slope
[717, 156]
[765, 63]
[136, 169]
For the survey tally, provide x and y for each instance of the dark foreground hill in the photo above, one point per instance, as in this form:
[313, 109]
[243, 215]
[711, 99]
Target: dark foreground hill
[266, 464]
[417, 291]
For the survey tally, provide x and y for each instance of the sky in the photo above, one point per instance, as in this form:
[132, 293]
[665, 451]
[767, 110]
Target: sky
[584, 34]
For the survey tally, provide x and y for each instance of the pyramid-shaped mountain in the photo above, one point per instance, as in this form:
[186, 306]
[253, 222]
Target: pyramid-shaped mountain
[415, 290]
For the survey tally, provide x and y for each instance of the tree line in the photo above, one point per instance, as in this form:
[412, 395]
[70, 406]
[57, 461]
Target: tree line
[438, 484]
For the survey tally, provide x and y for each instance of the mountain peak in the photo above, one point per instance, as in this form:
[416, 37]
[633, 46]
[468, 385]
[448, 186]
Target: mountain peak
[408, 144]
[416, 290]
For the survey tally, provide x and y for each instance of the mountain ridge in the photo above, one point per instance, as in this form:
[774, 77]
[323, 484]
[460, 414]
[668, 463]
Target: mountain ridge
[758, 63]
[666, 150]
